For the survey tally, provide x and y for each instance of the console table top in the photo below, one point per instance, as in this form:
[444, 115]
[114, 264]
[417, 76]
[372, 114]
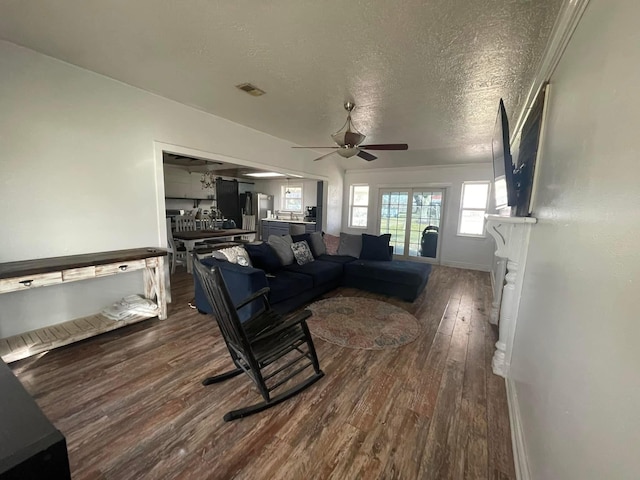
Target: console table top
[54, 264]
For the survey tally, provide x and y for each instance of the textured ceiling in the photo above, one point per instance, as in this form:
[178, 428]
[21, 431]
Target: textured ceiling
[428, 73]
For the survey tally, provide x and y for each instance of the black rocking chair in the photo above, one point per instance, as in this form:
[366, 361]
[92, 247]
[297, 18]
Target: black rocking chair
[268, 347]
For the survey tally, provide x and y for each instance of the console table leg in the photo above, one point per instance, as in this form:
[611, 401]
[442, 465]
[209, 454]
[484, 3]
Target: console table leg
[154, 286]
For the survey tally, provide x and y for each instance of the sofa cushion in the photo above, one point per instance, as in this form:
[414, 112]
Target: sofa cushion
[300, 238]
[350, 244]
[241, 282]
[317, 244]
[341, 259]
[263, 257]
[282, 246]
[375, 248]
[285, 284]
[331, 243]
[396, 271]
[320, 272]
[302, 252]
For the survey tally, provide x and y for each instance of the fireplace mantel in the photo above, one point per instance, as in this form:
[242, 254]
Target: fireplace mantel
[512, 240]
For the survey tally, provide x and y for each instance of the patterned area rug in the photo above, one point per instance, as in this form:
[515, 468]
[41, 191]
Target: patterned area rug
[362, 323]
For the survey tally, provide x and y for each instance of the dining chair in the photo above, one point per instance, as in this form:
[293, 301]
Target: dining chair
[185, 223]
[177, 254]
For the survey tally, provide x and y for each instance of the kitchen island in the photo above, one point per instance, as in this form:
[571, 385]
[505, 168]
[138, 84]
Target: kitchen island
[275, 226]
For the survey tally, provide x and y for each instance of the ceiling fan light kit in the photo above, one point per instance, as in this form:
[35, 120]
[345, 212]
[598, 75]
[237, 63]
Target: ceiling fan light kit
[349, 140]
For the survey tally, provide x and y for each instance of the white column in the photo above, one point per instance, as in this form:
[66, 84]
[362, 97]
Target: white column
[512, 239]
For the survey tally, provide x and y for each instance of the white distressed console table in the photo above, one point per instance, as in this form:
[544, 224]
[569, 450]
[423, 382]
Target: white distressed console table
[512, 239]
[28, 274]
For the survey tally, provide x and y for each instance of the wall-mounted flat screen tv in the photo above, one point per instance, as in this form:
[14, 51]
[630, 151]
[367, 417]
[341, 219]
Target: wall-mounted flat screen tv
[504, 186]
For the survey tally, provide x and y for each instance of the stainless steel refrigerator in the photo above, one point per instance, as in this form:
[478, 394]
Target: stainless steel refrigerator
[262, 203]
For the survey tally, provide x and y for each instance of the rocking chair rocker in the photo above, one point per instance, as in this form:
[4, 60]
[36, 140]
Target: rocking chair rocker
[268, 347]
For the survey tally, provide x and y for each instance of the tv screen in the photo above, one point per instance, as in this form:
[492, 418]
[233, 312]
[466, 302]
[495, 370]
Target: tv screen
[504, 187]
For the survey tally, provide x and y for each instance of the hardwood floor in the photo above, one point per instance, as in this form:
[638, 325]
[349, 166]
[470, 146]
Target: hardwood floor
[131, 405]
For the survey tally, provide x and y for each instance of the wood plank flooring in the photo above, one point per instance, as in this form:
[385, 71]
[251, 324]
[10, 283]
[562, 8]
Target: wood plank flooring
[131, 405]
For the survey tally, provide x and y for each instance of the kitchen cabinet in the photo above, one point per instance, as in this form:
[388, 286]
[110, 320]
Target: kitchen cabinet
[282, 228]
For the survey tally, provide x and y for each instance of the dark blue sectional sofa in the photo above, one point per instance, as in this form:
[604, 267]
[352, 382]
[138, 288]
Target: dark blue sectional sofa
[295, 285]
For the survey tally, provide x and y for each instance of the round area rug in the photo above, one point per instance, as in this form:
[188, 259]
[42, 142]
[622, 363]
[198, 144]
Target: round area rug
[362, 323]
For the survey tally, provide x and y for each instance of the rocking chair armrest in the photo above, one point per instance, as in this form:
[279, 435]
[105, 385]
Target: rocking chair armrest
[288, 323]
[260, 293]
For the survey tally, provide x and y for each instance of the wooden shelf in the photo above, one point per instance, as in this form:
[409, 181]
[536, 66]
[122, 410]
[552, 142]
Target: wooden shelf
[41, 340]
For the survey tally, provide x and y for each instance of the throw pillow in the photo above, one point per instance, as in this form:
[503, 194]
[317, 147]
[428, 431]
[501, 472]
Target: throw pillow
[301, 252]
[237, 255]
[375, 248]
[282, 246]
[263, 257]
[317, 244]
[331, 243]
[350, 244]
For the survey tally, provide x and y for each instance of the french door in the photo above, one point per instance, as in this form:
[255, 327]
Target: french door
[413, 218]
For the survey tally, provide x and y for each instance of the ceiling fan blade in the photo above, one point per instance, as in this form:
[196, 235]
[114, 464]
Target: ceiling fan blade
[314, 147]
[324, 156]
[386, 146]
[366, 155]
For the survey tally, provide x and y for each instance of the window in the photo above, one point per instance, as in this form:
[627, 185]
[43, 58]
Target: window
[291, 198]
[358, 206]
[475, 196]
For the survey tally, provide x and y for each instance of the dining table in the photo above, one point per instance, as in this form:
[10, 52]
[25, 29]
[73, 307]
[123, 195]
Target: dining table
[190, 237]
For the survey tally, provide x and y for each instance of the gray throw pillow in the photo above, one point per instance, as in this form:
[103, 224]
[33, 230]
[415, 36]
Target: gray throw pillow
[282, 246]
[317, 243]
[350, 244]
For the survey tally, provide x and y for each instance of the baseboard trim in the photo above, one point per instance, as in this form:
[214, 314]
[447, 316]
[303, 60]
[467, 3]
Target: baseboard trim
[520, 458]
[468, 266]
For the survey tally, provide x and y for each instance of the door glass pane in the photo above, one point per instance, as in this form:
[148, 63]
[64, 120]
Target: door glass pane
[393, 218]
[425, 223]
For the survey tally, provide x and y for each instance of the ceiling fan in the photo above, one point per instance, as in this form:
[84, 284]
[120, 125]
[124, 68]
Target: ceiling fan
[349, 141]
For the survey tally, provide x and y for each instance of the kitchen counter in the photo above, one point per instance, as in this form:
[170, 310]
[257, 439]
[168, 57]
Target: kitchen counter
[287, 221]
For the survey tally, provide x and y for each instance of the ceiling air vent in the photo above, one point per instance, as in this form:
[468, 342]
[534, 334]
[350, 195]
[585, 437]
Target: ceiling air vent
[251, 89]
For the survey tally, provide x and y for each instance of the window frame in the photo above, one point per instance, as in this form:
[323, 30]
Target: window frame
[283, 197]
[352, 205]
[462, 209]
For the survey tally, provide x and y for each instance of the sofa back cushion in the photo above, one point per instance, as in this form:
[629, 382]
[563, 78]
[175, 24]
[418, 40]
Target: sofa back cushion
[331, 243]
[314, 241]
[263, 257]
[350, 244]
[282, 246]
[376, 248]
[317, 244]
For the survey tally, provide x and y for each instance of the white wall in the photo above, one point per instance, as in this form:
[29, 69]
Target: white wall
[79, 173]
[576, 356]
[455, 250]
